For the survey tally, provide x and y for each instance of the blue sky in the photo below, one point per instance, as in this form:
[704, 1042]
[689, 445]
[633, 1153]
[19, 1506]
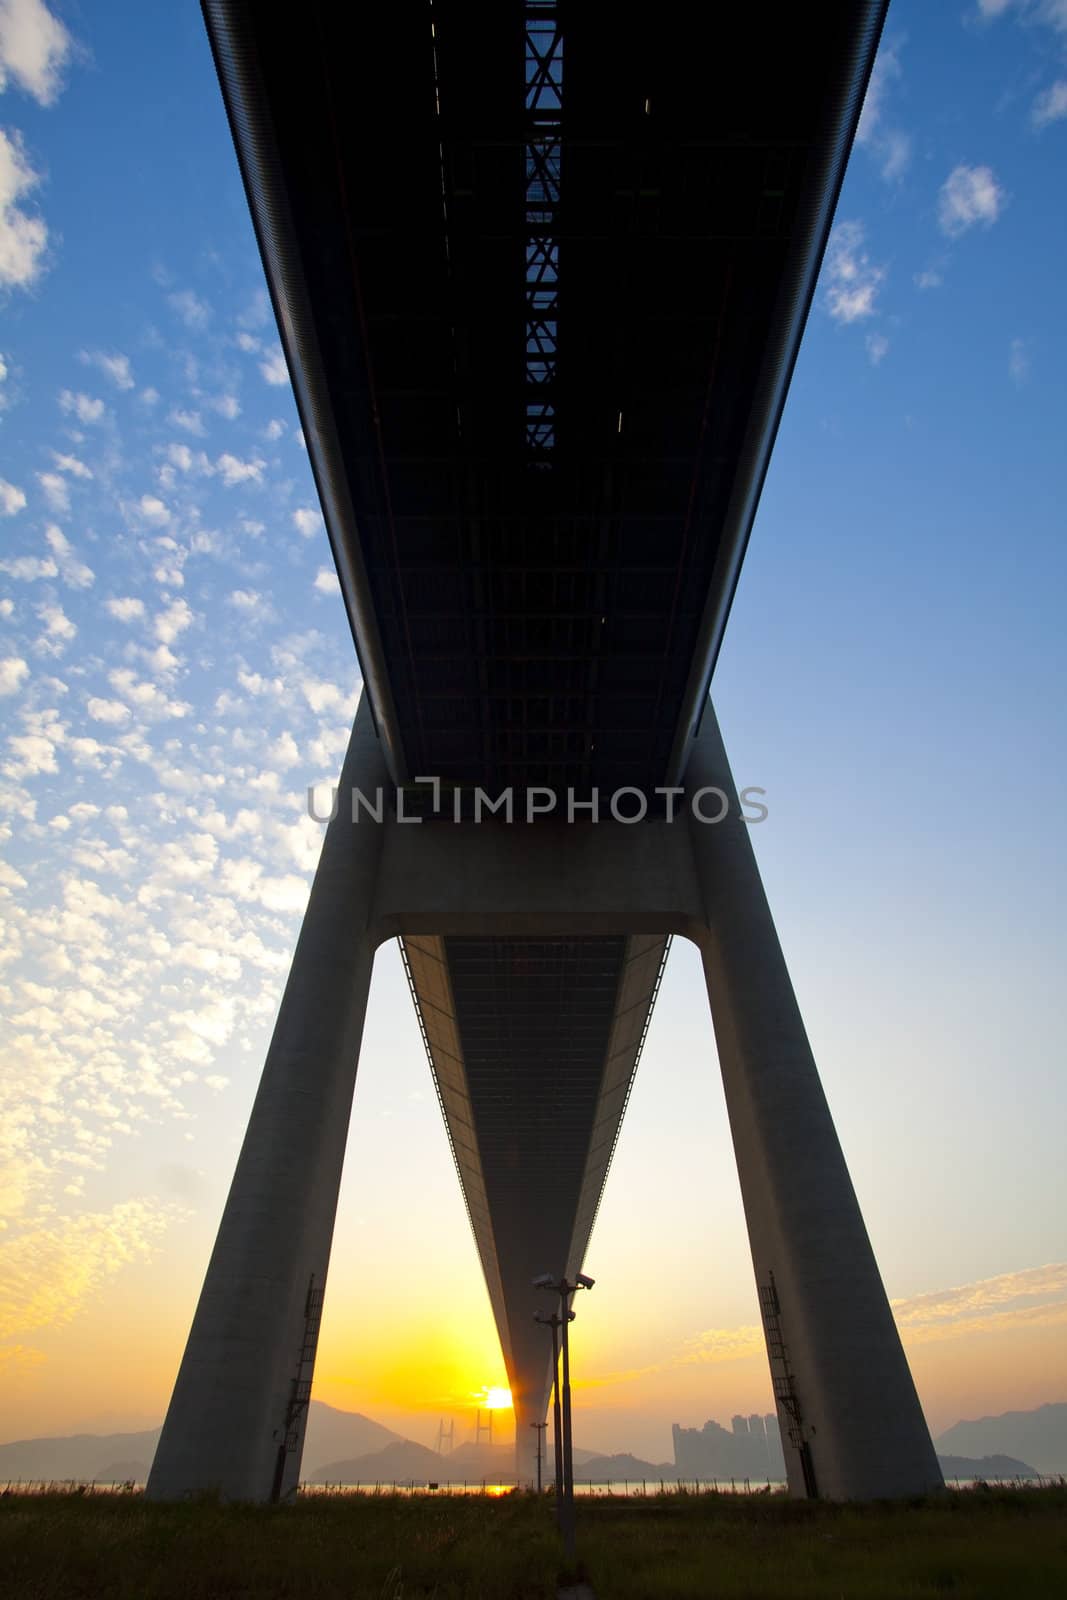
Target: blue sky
[176, 668]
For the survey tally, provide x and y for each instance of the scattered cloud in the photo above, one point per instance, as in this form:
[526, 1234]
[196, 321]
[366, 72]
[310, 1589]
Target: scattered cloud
[55, 489]
[71, 466]
[1037, 1294]
[233, 471]
[1050, 105]
[85, 407]
[877, 348]
[13, 672]
[173, 621]
[113, 711]
[115, 366]
[23, 237]
[194, 312]
[34, 49]
[59, 630]
[73, 572]
[327, 582]
[227, 405]
[189, 420]
[125, 609]
[970, 196]
[307, 521]
[27, 569]
[273, 367]
[1018, 362]
[852, 280]
[889, 146]
[12, 498]
[50, 1272]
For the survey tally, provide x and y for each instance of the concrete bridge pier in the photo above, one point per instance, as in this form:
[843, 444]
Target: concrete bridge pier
[239, 1408]
[852, 1426]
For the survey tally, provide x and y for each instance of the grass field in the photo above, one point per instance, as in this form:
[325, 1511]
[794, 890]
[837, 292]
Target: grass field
[970, 1545]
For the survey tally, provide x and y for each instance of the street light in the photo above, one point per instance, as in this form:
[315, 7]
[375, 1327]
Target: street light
[540, 1426]
[565, 1290]
[553, 1322]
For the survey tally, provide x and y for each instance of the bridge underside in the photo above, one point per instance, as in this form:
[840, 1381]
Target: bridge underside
[533, 1045]
[540, 270]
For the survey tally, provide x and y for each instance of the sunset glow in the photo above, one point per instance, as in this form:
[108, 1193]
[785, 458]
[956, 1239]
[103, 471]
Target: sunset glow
[497, 1399]
[177, 669]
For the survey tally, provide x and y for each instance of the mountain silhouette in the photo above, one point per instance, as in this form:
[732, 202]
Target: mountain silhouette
[122, 1457]
[1038, 1436]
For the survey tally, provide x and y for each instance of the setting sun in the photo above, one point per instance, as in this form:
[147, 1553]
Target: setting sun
[497, 1399]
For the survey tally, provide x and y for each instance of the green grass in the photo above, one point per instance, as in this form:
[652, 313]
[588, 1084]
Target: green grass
[997, 1544]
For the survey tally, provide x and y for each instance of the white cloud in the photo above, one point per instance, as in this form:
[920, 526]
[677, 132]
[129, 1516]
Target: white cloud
[1050, 105]
[283, 752]
[234, 471]
[58, 626]
[194, 312]
[71, 465]
[116, 366]
[153, 509]
[326, 581]
[1018, 362]
[174, 620]
[273, 367]
[12, 498]
[29, 568]
[227, 405]
[307, 521]
[852, 280]
[12, 672]
[274, 429]
[53, 1269]
[125, 609]
[890, 147]
[113, 711]
[73, 572]
[84, 406]
[55, 490]
[22, 237]
[189, 420]
[877, 348]
[34, 48]
[250, 603]
[186, 460]
[1053, 13]
[146, 696]
[969, 195]
[929, 278]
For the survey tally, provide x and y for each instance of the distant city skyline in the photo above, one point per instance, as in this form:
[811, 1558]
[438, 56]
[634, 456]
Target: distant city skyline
[176, 669]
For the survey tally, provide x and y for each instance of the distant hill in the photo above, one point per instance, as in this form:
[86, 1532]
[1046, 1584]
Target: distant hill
[85, 1456]
[1039, 1436]
[986, 1467]
[623, 1469]
[333, 1434]
[121, 1457]
[402, 1462]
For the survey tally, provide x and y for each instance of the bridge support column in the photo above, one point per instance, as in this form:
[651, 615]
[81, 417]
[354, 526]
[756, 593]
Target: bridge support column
[237, 1416]
[851, 1423]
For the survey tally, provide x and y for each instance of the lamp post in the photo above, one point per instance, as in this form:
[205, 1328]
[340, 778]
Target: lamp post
[540, 1426]
[565, 1290]
[553, 1322]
